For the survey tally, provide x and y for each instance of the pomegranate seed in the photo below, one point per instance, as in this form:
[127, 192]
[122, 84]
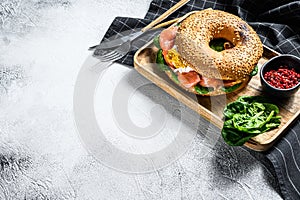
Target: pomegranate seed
[283, 77]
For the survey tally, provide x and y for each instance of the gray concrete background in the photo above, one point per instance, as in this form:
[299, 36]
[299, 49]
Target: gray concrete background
[43, 45]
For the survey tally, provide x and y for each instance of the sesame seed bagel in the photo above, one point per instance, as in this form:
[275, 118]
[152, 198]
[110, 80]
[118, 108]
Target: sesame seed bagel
[236, 63]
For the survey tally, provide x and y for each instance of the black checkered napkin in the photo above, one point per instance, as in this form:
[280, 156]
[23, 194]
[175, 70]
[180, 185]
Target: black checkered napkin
[122, 26]
[278, 25]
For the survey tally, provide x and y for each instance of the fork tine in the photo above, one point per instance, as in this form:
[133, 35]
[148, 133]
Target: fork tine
[108, 54]
[110, 57]
[116, 53]
[116, 57]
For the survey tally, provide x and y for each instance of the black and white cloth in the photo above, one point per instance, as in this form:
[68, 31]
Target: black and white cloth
[278, 25]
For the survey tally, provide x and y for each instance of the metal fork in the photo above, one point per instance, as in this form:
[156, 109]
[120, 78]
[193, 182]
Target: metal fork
[108, 58]
[115, 54]
[122, 50]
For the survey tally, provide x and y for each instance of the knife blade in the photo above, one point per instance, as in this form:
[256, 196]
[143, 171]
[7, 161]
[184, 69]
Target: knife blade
[117, 42]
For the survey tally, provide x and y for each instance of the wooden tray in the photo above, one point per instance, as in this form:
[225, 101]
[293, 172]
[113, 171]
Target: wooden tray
[289, 108]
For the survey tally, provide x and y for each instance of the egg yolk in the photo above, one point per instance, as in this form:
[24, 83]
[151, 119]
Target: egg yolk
[174, 59]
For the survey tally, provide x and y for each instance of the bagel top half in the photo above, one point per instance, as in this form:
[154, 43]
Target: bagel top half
[236, 63]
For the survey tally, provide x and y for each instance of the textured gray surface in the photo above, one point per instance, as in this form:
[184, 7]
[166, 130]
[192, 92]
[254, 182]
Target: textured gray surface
[43, 45]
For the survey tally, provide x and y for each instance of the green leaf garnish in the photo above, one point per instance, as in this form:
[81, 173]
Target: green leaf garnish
[202, 90]
[255, 71]
[161, 61]
[161, 64]
[156, 41]
[231, 88]
[217, 44]
[247, 117]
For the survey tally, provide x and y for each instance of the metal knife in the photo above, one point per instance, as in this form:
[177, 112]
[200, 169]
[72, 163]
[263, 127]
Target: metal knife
[117, 42]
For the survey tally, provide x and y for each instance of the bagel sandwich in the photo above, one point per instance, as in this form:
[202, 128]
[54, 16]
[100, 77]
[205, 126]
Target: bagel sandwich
[209, 53]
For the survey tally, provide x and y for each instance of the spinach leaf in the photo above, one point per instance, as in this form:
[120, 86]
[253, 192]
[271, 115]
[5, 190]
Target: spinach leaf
[234, 107]
[156, 41]
[254, 71]
[250, 99]
[161, 64]
[270, 106]
[201, 90]
[217, 44]
[234, 137]
[232, 88]
[174, 77]
[247, 117]
[161, 61]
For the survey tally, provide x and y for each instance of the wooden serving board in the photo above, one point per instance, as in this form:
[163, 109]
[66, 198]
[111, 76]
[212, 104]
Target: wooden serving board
[289, 108]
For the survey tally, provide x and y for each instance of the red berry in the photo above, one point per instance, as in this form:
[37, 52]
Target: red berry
[283, 77]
